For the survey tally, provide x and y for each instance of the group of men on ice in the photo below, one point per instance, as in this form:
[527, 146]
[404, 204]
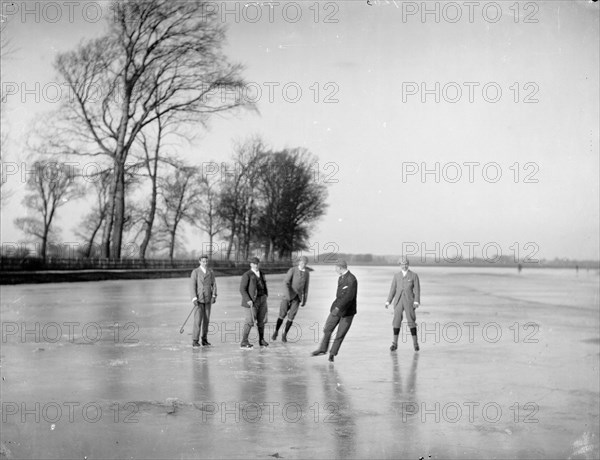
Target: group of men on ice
[404, 295]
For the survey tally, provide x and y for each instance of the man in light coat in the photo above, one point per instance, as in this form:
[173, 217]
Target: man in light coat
[295, 293]
[406, 290]
[203, 290]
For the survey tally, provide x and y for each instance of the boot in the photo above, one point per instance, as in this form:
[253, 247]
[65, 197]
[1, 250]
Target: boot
[287, 328]
[245, 334]
[279, 323]
[261, 337]
[415, 344]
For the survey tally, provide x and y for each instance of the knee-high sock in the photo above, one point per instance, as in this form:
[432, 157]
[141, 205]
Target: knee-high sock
[279, 323]
[413, 332]
[396, 333]
[287, 326]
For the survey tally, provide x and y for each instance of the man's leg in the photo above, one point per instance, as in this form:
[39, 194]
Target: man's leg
[261, 320]
[330, 324]
[411, 318]
[196, 328]
[294, 305]
[283, 309]
[343, 328]
[396, 324]
[205, 320]
[248, 323]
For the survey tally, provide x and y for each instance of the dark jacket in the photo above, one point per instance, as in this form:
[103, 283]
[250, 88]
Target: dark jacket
[345, 297]
[296, 284]
[249, 288]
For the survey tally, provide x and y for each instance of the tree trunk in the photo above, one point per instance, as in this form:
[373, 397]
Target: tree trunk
[149, 221]
[44, 244]
[91, 242]
[115, 250]
[110, 213]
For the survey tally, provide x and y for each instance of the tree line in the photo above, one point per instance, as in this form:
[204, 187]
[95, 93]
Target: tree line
[156, 75]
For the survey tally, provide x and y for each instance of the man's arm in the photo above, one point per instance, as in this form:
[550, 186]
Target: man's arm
[288, 283]
[392, 291]
[244, 288]
[417, 289]
[262, 274]
[214, 285]
[305, 293]
[193, 286]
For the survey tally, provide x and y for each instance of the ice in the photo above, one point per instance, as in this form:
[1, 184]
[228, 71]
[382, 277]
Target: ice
[508, 368]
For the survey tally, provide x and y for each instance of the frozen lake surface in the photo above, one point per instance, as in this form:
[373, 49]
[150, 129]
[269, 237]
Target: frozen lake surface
[508, 368]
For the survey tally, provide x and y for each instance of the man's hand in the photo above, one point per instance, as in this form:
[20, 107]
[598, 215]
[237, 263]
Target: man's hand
[195, 302]
[415, 305]
[335, 311]
[250, 303]
[387, 304]
[214, 299]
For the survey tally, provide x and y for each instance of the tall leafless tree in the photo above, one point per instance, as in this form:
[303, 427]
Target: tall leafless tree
[158, 58]
[206, 213]
[51, 185]
[179, 193]
[92, 223]
[238, 200]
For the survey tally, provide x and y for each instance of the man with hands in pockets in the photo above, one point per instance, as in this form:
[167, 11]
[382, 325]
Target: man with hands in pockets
[342, 311]
[253, 287]
[203, 289]
[406, 289]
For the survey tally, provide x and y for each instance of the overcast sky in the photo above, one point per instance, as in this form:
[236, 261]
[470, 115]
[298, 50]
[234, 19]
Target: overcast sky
[513, 133]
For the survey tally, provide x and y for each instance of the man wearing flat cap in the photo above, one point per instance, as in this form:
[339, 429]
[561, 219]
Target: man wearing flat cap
[406, 290]
[203, 290]
[341, 313]
[294, 295]
[253, 288]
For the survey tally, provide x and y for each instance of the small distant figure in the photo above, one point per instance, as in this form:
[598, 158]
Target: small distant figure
[577, 269]
[342, 311]
[406, 289]
[520, 268]
[253, 287]
[296, 291]
[203, 288]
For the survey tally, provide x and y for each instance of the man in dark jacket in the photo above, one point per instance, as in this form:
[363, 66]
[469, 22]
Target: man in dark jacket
[203, 290]
[253, 288]
[342, 311]
[294, 295]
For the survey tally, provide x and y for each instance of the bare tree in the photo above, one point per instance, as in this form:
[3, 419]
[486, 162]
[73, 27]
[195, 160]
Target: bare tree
[92, 223]
[206, 213]
[238, 200]
[51, 185]
[151, 142]
[179, 193]
[158, 57]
